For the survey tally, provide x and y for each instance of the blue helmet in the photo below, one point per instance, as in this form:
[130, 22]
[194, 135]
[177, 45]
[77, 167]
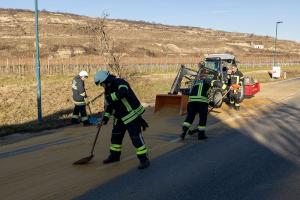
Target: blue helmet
[100, 77]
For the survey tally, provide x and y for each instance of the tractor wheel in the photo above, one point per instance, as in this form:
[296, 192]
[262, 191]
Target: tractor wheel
[217, 98]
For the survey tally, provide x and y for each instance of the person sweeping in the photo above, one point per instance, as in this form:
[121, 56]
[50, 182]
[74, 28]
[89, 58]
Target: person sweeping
[122, 103]
[79, 95]
[198, 104]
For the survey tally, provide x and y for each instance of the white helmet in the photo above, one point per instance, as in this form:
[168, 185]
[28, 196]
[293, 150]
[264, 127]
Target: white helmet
[83, 74]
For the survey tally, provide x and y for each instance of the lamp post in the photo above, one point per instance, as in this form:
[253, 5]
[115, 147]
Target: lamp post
[274, 54]
[38, 75]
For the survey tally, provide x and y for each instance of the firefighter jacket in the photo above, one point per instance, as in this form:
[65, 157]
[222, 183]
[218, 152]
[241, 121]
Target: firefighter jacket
[199, 92]
[236, 78]
[78, 91]
[122, 102]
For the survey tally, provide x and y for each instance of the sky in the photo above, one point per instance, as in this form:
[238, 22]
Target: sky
[247, 16]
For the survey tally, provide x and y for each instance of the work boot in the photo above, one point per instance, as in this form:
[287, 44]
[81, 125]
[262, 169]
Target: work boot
[201, 135]
[184, 131]
[231, 106]
[74, 121]
[144, 162]
[111, 158]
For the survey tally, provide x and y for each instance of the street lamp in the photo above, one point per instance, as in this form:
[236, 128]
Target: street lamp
[274, 55]
[38, 76]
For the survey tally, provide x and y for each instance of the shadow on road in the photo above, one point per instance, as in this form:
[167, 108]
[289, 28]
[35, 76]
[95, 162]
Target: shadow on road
[53, 121]
[277, 128]
[258, 159]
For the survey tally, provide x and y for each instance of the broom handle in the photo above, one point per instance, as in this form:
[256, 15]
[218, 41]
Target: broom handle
[95, 141]
[88, 104]
[98, 131]
[89, 109]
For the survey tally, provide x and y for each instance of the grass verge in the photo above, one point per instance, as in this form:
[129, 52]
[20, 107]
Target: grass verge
[18, 97]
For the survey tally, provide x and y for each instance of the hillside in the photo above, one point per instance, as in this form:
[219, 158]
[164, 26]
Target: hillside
[61, 36]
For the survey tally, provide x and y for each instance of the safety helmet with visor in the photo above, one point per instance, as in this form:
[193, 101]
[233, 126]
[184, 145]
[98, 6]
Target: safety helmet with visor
[100, 77]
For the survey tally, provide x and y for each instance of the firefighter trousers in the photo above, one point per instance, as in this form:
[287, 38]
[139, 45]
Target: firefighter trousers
[234, 98]
[193, 109]
[80, 109]
[135, 133]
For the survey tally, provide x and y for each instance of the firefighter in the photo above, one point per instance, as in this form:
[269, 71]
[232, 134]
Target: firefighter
[236, 82]
[122, 103]
[79, 96]
[198, 104]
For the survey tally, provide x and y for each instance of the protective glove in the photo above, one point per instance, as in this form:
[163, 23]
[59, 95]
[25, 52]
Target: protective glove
[144, 124]
[87, 102]
[105, 120]
[224, 86]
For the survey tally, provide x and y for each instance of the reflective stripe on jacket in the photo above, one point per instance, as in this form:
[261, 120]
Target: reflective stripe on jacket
[199, 91]
[236, 78]
[125, 104]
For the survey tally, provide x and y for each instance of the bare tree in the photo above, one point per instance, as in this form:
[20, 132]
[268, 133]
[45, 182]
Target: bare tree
[112, 50]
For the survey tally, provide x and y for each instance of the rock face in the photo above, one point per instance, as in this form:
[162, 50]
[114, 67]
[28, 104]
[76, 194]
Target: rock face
[65, 52]
[61, 35]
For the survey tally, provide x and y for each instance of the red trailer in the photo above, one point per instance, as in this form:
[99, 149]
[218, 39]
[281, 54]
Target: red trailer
[251, 87]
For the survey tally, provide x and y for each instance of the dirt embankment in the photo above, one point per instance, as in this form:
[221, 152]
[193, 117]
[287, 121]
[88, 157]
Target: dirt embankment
[62, 36]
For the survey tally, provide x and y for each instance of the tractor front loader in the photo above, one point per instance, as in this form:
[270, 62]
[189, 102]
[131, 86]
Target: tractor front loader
[178, 96]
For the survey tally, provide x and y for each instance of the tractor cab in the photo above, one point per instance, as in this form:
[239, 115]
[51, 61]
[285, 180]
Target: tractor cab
[218, 65]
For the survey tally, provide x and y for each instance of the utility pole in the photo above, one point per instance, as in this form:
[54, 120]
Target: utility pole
[38, 74]
[274, 54]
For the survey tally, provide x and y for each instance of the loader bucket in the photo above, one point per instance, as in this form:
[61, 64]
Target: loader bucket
[171, 101]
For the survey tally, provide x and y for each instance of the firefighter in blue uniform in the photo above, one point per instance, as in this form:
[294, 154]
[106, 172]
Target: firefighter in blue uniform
[79, 95]
[235, 81]
[198, 104]
[122, 103]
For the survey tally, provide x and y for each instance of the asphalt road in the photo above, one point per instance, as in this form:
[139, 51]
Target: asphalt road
[252, 154]
[258, 160]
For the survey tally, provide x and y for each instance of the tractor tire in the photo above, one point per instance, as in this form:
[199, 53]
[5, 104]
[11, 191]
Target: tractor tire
[217, 98]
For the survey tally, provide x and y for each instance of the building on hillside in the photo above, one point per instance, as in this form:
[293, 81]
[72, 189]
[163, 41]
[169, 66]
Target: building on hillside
[257, 45]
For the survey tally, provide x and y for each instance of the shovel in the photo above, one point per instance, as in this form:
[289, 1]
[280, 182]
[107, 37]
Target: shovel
[87, 159]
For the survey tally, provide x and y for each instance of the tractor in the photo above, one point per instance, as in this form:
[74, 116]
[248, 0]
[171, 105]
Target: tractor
[215, 67]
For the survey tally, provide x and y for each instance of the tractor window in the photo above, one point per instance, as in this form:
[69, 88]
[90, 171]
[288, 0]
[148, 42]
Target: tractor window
[212, 65]
[208, 73]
